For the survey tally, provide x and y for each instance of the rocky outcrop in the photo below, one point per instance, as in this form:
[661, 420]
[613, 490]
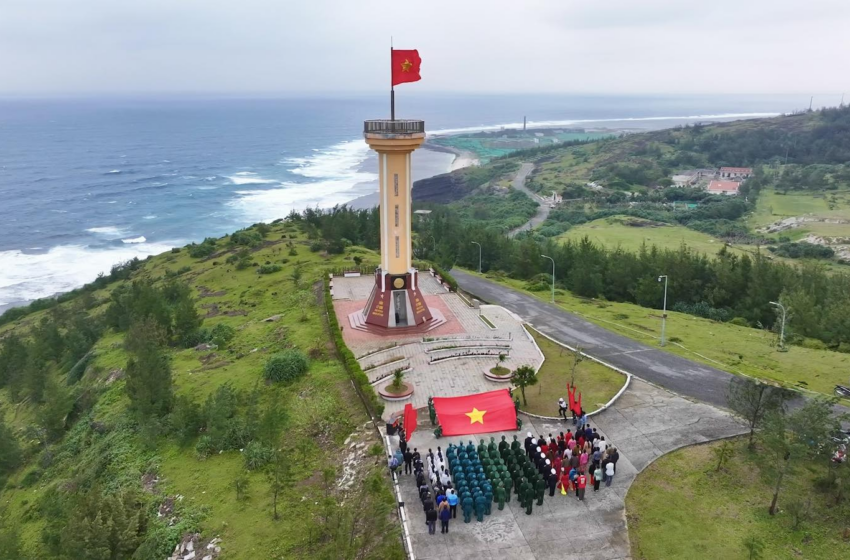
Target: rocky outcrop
[447, 187]
[192, 547]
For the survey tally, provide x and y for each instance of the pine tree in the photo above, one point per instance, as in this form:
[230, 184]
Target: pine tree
[149, 383]
[10, 451]
[187, 321]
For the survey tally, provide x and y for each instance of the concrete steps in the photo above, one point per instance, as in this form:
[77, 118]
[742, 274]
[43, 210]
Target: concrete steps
[357, 321]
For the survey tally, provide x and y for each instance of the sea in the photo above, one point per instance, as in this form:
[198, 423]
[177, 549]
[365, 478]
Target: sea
[86, 183]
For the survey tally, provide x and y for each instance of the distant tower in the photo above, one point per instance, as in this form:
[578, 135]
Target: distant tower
[395, 300]
[524, 122]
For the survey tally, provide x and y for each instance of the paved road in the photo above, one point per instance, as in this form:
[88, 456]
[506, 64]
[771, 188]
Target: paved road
[542, 208]
[675, 373]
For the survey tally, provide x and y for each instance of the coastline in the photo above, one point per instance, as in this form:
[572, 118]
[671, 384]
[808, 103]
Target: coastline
[460, 160]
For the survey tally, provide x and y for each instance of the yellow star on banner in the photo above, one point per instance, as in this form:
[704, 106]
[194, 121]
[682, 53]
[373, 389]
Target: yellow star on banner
[405, 66]
[476, 416]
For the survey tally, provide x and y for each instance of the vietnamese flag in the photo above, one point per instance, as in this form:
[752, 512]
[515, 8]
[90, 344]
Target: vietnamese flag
[476, 414]
[410, 418]
[405, 66]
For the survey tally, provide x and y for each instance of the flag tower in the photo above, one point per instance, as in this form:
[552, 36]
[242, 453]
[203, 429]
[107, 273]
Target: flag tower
[395, 300]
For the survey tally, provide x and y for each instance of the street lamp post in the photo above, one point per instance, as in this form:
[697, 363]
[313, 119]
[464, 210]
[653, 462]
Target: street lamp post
[553, 276]
[435, 244]
[782, 328]
[479, 255]
[664, 312]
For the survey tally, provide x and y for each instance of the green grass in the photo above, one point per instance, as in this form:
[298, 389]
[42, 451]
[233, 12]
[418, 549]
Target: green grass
[630, 233]
[739, 350]
[597, 383]
[679, 507]
[772, 207]
[323, 410]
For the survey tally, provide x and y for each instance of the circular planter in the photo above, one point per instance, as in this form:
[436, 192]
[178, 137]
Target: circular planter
[498, 378]
[402, 396]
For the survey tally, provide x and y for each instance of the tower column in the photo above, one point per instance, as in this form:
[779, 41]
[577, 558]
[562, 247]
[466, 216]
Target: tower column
[395, 299]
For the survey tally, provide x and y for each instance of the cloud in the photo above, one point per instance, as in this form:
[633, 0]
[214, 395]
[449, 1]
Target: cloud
[288, 46]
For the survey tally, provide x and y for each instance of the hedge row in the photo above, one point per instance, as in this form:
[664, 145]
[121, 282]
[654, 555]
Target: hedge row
[352, 366]
[447, 278]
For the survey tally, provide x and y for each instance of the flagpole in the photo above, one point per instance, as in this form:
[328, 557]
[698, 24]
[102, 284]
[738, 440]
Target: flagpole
[392, 86]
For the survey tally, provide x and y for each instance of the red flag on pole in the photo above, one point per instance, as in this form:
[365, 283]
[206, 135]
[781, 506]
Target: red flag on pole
[476, 414]
[405, 66]
[410, 420]
[571, 393]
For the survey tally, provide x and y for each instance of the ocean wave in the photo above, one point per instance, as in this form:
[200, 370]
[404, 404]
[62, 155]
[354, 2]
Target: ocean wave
[270, 204]
[113, 172]
[249, 178]
[113, 231]
[149, 217]
[24, 277]
[339, 161]
[134, 240]
[571, 122]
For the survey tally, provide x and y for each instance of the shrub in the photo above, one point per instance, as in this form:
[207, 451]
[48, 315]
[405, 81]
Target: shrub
[293, 252]
[740, 321]
[447, 278]
[812, 344]
[352, 366]
[257, 455]
[269, 269]
[175, 249]
[316, 246]
[246, 238]
[221, 335]
[204, 448]
[202, 250]
[287, 366]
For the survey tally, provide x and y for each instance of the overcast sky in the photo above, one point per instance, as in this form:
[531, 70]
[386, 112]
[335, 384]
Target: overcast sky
[294, 46]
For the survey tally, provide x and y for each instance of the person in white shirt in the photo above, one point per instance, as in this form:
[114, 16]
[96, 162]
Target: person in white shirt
[609, 473]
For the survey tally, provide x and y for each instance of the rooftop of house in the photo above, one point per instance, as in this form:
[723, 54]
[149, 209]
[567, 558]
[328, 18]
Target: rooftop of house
[736, 170]
[723, 186]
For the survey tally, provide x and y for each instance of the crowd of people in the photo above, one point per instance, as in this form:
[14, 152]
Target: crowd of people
[475, 478]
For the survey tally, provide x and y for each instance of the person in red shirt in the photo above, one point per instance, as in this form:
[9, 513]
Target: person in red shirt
[581, 483]
[564, 482]
[557, 463]
[568, 436]
[580, 442]
[544, 448]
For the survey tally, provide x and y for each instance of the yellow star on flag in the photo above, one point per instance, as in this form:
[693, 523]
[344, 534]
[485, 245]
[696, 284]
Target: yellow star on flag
[405, 66]
[476, 415]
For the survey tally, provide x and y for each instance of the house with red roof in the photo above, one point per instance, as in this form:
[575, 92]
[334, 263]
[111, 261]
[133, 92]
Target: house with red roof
[736, 172]
[724, 187]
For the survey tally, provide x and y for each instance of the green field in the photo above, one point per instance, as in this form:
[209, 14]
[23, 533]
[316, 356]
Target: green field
[319, 519]
[630, 233]
[597, 383]
[740, 350]
[773, 206]
[680, 507]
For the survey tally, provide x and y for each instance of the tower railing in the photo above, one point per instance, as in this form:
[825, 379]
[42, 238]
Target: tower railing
[385, 126]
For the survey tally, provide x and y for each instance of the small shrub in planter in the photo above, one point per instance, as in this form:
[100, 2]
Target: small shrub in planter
[287, 366]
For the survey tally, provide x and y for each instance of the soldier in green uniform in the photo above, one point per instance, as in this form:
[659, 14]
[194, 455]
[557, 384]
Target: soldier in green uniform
[529, 498]
[540, 489]
[500, 495]
[515, 445]
[507, 482]
[503, 445]
[466, 505]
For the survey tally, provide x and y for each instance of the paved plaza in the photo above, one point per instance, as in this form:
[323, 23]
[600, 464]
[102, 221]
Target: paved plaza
[464, 332]
[644, 424]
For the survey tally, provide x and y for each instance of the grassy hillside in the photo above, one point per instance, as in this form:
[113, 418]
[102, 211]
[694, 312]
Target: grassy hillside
[334, 500]
[681, 506]
[631, 233]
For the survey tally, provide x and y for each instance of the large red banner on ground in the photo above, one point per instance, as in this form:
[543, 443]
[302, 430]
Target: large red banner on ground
[476, 414]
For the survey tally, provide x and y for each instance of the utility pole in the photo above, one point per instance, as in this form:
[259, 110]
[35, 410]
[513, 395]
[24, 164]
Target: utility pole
[435, 244]
[479, 255]
[664, 312]
[782, 329]
[553, 276]
[811, 99]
